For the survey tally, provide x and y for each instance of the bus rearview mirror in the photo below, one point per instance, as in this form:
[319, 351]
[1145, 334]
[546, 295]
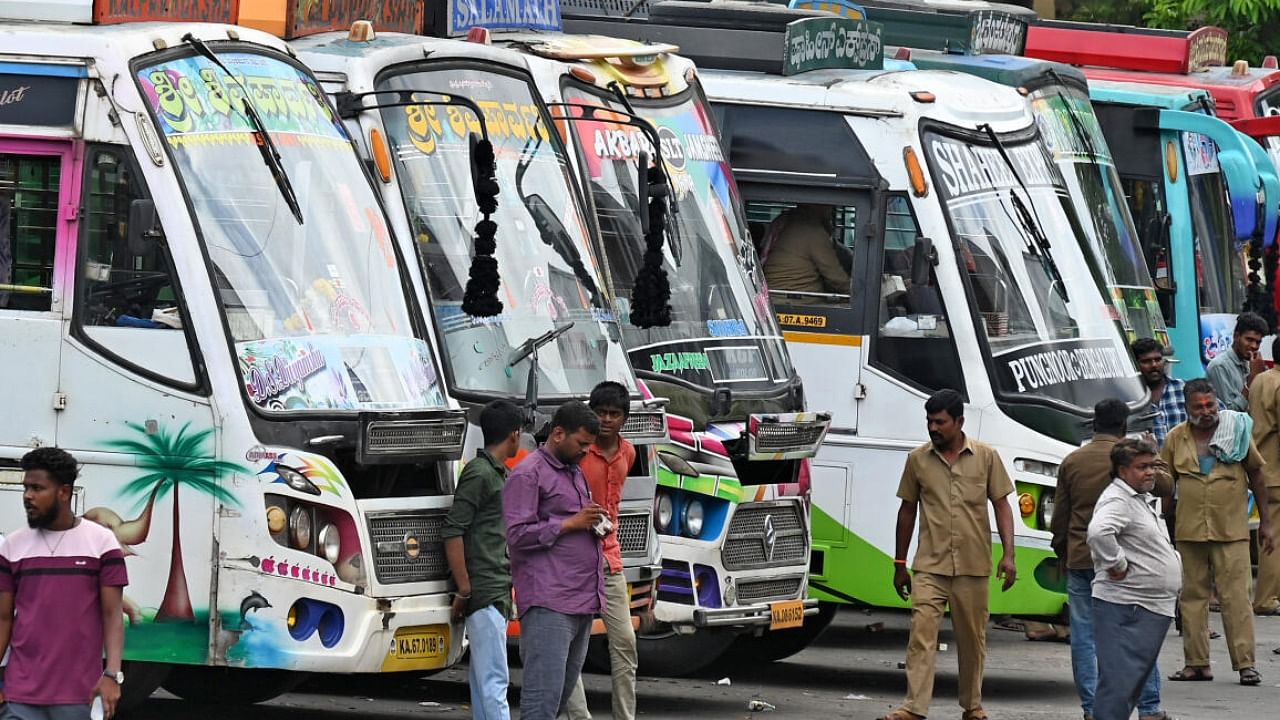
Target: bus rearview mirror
[922, 260]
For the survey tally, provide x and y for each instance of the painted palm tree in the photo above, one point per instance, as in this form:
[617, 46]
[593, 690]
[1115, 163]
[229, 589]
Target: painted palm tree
[173, 460]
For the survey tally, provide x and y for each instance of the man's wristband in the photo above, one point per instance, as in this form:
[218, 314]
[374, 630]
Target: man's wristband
[464, 596]
[900, 562]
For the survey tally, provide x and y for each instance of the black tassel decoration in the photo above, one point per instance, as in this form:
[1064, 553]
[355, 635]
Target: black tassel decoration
[481, 296]
[651, 293]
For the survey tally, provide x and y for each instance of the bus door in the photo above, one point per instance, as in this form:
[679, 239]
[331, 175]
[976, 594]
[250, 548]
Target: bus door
[37, 230]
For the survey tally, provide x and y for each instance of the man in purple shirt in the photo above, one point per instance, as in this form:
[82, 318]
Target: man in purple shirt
[553, 536]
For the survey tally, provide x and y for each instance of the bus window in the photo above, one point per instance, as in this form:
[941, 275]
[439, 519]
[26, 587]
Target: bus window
[913, 338]
[29, 229]
[128, 303]
[807, 251]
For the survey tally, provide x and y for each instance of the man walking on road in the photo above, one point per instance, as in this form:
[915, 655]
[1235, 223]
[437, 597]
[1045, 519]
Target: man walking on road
[1213, 461]
[1138, 575]
[606, 466]
[1166, 392]
[475, 545]
[1232, 370]
[1082, 478]
[1264, 408]
[948, 482]
[555, 560]
[62, 584]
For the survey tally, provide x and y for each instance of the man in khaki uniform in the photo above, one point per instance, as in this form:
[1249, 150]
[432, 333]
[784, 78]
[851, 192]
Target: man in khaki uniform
[1212, 533]
[1264, 407]
[803, 257]
[949, 482]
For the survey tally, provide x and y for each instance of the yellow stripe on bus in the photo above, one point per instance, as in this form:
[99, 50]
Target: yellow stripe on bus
[823, 338]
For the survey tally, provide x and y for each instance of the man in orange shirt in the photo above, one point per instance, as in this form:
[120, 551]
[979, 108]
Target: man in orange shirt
[606, 466]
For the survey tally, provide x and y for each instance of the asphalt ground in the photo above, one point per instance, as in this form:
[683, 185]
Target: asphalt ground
[850, 672]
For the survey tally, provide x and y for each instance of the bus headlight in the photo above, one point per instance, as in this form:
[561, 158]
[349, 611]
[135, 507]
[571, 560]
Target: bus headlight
[1046, 508]
[300, 528]
[663, 512]
[691, 518]
[329, 543]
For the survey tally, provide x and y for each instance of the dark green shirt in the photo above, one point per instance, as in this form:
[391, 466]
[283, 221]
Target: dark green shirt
[476, 517]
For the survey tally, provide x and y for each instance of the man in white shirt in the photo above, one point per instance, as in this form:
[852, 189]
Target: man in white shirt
[1137, 581]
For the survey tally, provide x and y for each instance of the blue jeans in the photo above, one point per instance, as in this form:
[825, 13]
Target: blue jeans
[1129, 640]
[552, 648]
[487, 631]
[18, 711]
[1084, 659]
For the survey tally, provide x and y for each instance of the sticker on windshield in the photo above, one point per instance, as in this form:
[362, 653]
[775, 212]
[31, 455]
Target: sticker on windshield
[196, 102]
[1040, 367]
[965, 169]
[1201, 153]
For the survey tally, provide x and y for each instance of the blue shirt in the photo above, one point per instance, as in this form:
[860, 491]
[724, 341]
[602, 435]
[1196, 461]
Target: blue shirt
[1171, 410]
[553, 570]
[1227, 371]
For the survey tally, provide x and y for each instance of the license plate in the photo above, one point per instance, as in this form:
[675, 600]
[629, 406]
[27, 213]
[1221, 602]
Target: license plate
[786, 614]
[424, 647]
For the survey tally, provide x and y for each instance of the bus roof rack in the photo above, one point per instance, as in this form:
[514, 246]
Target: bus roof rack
[1124, 47]
[735, 35]
[108, 12]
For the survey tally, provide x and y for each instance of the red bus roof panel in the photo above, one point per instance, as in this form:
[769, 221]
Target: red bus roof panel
[1128, 48]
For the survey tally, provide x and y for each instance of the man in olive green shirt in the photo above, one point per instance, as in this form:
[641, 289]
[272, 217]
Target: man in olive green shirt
[948, 483]
[1211, 529]
[1264, 407]
[475, 545]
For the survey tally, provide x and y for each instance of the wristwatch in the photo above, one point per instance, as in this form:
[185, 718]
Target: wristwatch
[117, 676]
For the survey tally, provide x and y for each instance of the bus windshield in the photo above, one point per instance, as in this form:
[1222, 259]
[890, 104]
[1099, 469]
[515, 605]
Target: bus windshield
[549, 274]
[1037, 304]
[317, 311]
[1074, 137]
[722, 330]
[1220, 270]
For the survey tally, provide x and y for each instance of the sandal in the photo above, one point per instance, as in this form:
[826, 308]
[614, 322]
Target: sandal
[1162, 715]
[1249, 676]
[977, 714]
[901, 714]
[1192, 674]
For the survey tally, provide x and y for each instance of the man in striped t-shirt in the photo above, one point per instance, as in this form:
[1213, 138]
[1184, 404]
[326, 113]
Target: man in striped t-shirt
[62, 580]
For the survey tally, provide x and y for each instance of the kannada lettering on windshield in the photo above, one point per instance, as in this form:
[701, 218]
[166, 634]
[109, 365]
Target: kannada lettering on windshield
[974, 169]
[196, 102]
[430, 125]
[1036, 369]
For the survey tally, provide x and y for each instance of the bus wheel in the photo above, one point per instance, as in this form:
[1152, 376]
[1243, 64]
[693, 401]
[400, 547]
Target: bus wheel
[666, 653]
[229, 686]
[782, 644]
[141, 679]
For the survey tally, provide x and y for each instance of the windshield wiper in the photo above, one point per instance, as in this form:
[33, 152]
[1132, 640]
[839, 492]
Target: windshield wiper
[1027, 218]
[550, 229]
[529, 349]
[270, 154]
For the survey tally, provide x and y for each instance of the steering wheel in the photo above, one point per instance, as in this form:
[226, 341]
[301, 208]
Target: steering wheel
[132, 296]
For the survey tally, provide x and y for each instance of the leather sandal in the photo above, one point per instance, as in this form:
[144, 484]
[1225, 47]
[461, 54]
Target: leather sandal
[1249, 676]
[1192, 674]
[901, 714]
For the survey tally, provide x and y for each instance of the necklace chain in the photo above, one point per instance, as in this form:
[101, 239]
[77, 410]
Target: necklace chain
[62, 535]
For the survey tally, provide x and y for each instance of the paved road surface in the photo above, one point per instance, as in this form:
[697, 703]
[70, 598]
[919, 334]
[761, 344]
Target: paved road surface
[1025, 681]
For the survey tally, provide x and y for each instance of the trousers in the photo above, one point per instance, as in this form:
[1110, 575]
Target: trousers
[623, 654]
[552, 648]
[1084, 657]
[1129, 638]
[930, 595]
[487, 673]
[1224, 565]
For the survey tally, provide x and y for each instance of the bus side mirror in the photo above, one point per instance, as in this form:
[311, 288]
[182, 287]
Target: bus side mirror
[144, 227]
[923, 258]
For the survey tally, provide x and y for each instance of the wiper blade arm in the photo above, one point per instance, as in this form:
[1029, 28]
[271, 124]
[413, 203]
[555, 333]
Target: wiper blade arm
[533, 344]
[1029, 221]
[1076, 124]
[270, 154]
